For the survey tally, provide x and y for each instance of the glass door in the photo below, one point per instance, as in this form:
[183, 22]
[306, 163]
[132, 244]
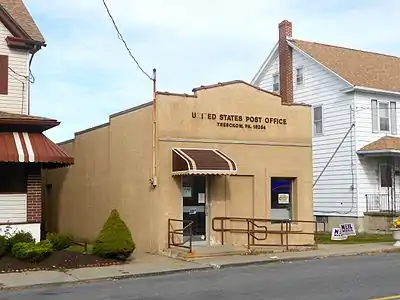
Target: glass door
[194, 205]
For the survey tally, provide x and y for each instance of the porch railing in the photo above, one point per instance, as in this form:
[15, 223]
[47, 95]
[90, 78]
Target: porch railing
[383, 203]
[184, 226]
[257, 230]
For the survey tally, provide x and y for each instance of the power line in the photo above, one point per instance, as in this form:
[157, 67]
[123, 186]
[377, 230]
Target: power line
[123, 40]
[29, 78]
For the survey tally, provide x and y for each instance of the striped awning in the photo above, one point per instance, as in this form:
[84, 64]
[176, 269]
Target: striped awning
[193, 161]
[31, 147]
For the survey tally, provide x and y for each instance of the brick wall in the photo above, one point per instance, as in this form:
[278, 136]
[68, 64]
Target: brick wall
[285, 62]
[34, 195]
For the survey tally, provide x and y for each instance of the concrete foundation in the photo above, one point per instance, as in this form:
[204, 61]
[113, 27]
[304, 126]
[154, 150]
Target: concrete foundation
[373, 223]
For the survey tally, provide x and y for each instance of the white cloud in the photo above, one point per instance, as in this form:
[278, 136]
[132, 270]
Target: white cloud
[85, 73]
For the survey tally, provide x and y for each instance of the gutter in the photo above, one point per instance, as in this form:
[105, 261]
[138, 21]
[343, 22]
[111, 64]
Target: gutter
[378, 152]
[369, 90]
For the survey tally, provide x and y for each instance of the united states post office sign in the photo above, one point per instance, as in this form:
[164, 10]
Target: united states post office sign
[240, 121]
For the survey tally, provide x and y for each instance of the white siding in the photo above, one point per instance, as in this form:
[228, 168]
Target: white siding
[16, 100]
[33, 228]
[367, 168]
[333, 194]
[272, 68]
[13, 208]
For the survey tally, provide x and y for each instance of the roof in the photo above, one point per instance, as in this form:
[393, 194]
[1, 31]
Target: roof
[24, 147]
[19, 13]
[384, 143]
[219, 84]
[11, 121]
[358, 67]
[7, 115]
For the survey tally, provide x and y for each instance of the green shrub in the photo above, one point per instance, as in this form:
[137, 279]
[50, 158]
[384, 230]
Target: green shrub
[3, 245]
[45, 243]
[59, 241]
[115, 239]
[32, 252]
[20, 237]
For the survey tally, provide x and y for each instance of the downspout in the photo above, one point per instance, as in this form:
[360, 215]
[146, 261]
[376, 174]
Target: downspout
[153, 180]
[35, 49]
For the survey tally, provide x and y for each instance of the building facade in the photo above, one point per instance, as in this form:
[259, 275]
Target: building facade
[354, 95]
[228, 150]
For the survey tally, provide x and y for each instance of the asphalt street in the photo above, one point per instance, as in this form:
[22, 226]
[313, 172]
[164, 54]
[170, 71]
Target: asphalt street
[349, 278]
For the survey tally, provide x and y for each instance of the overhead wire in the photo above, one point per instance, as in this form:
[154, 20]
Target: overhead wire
[124, 42]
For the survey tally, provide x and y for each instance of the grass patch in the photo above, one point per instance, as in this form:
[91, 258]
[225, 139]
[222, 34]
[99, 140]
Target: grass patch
[80, 249]
[361, 238]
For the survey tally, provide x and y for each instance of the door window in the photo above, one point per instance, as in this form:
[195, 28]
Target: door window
[385, 175]
[194, 205]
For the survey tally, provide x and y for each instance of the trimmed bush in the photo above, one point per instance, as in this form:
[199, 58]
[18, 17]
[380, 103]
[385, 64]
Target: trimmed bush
[20, 237]
[32, 252]
[59, 241]
[115, 239]
[3, 245]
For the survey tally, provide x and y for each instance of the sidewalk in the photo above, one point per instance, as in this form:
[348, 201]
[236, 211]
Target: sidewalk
[151, 265]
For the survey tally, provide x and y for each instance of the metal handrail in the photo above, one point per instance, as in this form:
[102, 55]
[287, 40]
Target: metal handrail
[388, 203]
[172, 232]
[253, 228]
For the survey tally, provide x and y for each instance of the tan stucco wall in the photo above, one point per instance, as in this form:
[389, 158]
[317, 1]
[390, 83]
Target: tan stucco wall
[112, 170]
[278, 151]
[113, 164]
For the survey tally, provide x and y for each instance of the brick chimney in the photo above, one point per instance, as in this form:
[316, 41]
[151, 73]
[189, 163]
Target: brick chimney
[285, 62]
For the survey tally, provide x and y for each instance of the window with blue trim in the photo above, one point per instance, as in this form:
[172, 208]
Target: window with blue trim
[281, 198]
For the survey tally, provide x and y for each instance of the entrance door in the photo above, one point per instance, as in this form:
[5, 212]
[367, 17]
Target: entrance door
[389, 186]
[194, 205]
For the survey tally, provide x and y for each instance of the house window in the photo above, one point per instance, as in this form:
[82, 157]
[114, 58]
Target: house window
[385, 172]
[12, 179]
[299, 75]
[393, 118]
[275, 82]
[384, 119]
[383, 115]
[318, 120]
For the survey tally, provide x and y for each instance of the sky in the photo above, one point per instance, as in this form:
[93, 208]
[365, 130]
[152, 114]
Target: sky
[85, 73]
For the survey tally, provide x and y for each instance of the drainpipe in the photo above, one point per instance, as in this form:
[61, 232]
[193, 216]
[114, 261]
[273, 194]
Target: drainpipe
[153, 180]
[35, 49]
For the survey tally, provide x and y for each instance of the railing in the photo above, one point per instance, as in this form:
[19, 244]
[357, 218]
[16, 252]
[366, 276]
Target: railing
[383, 203]
[186, 226]
[254, 229]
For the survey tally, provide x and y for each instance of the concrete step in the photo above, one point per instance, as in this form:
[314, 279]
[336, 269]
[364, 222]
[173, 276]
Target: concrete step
[201, 252]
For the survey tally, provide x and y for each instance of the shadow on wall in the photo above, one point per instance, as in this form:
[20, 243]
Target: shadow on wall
[51, 199]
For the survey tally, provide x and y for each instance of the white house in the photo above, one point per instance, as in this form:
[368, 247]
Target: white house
[24, 150]
[356, 143]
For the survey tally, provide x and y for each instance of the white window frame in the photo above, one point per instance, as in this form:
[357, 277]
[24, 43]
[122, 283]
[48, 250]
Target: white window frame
[276, 75]
[297, 76]
[380, 115]
[392, 116]
[322, 120]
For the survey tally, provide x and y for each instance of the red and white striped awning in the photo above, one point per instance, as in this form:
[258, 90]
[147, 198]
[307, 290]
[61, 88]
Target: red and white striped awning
[31, 147]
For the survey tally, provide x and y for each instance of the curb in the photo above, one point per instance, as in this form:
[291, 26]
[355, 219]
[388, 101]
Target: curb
[106, 278]
[310, 257]
[200, 268]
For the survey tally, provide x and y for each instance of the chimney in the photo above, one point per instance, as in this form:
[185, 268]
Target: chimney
[285, 62]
